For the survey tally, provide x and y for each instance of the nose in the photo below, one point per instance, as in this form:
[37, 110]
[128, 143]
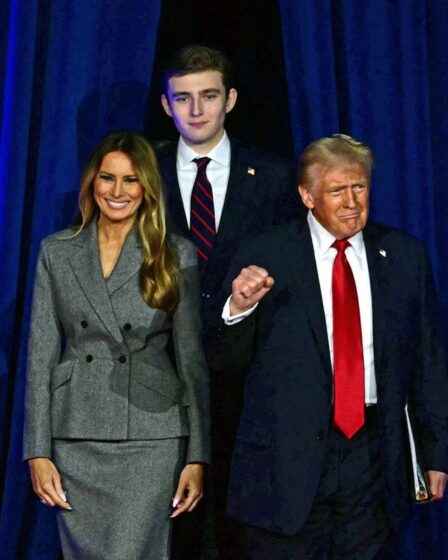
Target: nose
[349, 198]
[116, 189]
[196, 106]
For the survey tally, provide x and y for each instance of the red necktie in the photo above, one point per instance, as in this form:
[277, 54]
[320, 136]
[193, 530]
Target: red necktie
[202, 216]
[348, 360]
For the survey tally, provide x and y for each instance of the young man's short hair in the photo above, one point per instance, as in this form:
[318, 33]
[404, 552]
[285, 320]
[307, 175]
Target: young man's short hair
[197, 58]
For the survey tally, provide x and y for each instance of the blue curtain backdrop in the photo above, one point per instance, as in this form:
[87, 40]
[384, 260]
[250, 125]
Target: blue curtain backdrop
[377, 70]
[69, 72]
[72, 70]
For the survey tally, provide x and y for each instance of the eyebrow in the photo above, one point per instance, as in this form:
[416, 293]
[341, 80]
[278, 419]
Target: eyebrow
[113, 175]
[202, 92]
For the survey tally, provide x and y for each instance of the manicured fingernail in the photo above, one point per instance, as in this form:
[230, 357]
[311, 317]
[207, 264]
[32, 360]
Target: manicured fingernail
[175, 502]
[63, 495]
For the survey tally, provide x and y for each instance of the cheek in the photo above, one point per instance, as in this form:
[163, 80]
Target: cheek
[218, 114]
[137, 196]
[222, 116]
[98, 190]
[180, 115]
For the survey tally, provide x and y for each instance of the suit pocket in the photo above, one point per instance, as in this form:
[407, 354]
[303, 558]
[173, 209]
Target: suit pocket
[163, 382]
[255, 434]
[61, 374]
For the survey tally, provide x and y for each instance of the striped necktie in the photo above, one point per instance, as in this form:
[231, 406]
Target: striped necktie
[202, 216]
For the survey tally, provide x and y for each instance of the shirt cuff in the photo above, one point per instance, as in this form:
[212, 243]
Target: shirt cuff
[234, 319]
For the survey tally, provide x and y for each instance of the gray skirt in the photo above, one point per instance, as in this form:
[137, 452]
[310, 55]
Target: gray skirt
[121, 496]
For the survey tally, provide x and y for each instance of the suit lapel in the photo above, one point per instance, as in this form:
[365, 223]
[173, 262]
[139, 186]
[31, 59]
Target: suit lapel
[128, 263]
[86, 267]
[175, 205]
[379, 261]
[299, 256]
[240, 195]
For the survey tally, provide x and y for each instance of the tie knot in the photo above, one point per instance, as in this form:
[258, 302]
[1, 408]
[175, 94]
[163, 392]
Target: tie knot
[341, 245]
[202, 162]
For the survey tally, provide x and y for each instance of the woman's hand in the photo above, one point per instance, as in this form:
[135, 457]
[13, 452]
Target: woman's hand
[189, 490]
[47, 483]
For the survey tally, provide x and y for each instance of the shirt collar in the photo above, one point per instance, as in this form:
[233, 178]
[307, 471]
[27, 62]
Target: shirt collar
[323, 240]
[220, 153]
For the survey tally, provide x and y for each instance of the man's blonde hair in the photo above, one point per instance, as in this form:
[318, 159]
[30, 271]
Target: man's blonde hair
[334, 149]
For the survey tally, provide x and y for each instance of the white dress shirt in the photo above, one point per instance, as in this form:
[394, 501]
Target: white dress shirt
[325, 254]
[218, 171]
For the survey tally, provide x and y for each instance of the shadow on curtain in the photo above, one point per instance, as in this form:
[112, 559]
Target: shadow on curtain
[377, 71]
[70, 72]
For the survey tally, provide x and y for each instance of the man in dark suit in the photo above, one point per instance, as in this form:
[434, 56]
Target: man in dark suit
[337, 320]
[242, 190]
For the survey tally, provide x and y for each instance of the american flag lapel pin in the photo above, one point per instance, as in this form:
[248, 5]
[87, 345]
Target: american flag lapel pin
[383, 253]
[250, 171]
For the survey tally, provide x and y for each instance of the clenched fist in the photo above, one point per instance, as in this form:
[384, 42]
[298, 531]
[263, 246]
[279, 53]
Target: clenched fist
[248, 288]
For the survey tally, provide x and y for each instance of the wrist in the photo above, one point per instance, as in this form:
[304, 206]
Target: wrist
[236, 310]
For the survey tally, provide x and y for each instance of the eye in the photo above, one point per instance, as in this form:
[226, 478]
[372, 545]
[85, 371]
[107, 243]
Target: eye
[210, 96]
[181, 99]
[335, 192]
[105, 177]
[359, 188]
[130, 180]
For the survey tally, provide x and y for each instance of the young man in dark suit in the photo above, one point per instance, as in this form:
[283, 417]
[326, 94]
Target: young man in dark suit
[236, 190]
[336, 320]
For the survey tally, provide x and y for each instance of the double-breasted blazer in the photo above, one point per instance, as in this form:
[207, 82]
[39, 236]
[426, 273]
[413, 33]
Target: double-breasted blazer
[281, 439]
[98, 365]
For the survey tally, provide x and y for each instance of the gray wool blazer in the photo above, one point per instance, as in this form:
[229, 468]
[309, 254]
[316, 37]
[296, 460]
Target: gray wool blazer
[98, 364]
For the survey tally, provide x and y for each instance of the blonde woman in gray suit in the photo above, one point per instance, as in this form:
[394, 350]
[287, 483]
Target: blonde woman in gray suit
[117, 401]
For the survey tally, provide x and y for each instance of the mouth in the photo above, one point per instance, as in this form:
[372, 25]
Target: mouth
[350, 217]
[117, 205]
[197, 124]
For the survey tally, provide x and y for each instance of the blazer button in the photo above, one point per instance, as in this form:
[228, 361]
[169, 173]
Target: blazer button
[127, 327]
[122, 359]
[89, 358]
[84, 324]
[320, 436]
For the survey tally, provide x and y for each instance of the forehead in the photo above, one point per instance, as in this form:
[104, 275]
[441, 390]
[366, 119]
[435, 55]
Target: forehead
[338, 173]
[118, 162]
[196, 82]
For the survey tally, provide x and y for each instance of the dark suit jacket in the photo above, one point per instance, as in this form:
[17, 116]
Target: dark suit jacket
[288, 395]
[253, 202]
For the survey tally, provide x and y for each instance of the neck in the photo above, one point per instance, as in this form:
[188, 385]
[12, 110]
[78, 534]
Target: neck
[114, 232]
[207, 147]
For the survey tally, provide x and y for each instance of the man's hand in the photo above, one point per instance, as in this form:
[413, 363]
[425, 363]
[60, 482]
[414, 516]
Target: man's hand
[189, 490]
[248, 288]
[437, 484]
[47, 483]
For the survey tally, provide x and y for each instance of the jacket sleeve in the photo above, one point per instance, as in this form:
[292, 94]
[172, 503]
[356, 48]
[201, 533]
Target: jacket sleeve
[189, 355]
[231, 349]
[44, 347]
[430, 395]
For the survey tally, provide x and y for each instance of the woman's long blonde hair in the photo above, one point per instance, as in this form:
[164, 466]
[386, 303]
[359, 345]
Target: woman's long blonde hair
[159, 272]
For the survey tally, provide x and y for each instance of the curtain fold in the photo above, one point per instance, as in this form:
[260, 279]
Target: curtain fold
[71, 71]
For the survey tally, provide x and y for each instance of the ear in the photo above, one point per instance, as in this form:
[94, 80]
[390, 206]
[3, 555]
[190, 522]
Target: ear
[166, 105]
[231, 99]
[307, 197]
